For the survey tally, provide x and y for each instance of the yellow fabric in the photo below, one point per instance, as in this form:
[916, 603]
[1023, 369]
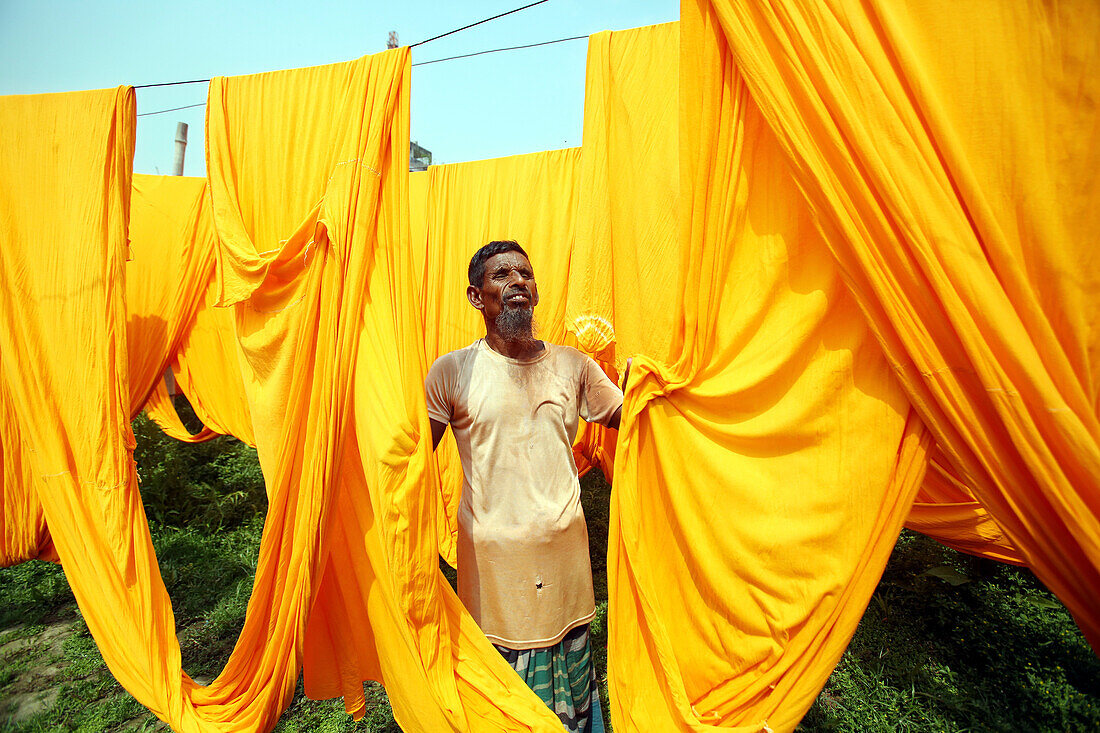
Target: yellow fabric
[64, 368]
[172, 229]
[170, 262]
[208, 370]
[769, 452]
[630, 124]
[308, 176]
[767, 456]
[455, 209]
[63, 416]
[165, 275]
[945, 509]
[311, 332]
[63, 311]
[161, 410]
[23, 532]
[949, 151]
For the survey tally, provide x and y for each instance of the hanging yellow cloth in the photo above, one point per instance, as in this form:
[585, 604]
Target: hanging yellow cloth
[630, 124]
[63, 311]
[63, 417]
[767, 456]
[64, 368]
[23, 532]
[949, 152]
[531, 199]
[308, 178]
[946, 510]
[950, 515]
[172, 259]
[165, 275]
[161, 410]
[171, 217]
[208, 370]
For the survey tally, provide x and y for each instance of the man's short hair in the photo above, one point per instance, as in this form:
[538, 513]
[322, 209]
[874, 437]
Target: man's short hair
[476, 273]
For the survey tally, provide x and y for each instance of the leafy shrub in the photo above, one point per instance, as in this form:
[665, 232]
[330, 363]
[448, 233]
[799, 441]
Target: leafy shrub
[213, 485]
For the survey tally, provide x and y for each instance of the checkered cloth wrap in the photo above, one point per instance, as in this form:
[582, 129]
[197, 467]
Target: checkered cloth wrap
[563, 676]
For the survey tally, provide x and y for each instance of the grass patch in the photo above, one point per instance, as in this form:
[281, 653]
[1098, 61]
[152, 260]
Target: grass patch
[950, 642]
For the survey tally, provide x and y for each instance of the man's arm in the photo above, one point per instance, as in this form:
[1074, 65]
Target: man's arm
[437, 392]
[613, 423]
[438, 428]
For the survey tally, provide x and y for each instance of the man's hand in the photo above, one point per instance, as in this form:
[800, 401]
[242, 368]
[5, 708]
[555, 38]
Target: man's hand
[438, 428]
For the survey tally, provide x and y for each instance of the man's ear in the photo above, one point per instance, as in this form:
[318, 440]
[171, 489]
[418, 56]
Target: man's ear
[474, 296]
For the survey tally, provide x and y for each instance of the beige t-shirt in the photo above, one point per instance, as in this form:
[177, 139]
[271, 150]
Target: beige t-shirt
[523, 566]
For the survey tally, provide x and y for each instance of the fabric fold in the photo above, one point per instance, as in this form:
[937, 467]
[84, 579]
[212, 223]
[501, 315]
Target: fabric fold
[960, 207]
[767, 455]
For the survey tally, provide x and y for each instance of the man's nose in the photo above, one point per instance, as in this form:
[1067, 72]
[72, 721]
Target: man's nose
[517, 279]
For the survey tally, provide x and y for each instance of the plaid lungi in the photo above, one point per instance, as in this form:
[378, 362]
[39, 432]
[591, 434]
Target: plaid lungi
[563, 676]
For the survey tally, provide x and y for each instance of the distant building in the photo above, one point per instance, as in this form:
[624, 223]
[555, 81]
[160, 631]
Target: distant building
[419, 158]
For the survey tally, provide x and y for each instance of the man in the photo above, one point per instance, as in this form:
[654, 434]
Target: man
[512, 402]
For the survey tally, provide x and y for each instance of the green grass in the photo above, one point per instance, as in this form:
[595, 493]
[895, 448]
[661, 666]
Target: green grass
[948, 643]
[986, 649]
[209, 577]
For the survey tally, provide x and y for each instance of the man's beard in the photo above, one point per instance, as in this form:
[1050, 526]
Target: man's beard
[516, 324]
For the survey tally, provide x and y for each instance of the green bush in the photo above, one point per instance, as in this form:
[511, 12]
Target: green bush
[213, 485]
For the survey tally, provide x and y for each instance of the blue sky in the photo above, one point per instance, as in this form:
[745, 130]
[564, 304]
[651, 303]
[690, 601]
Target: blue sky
[467, 109]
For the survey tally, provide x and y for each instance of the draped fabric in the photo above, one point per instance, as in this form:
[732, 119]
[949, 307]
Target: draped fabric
[172, 224]
[161, 410]
[946, 510]
[208, 370]
[62, 270]
[165, 276]
[313, 258]
[950, 155]
[826, 241]
[23, 531]
[532, 199]
[170, 262]
[63, 311]
[767, 455]
[628, 192]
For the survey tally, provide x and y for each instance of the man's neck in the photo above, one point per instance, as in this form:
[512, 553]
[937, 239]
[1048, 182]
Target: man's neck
[521, 349]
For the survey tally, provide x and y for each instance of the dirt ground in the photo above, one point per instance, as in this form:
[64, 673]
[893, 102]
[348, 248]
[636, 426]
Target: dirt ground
[34, 660]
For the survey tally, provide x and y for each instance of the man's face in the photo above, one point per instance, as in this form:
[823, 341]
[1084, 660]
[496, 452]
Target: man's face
[508, 286]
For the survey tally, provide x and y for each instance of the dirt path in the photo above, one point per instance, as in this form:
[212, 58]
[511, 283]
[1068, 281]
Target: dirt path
[32, 661]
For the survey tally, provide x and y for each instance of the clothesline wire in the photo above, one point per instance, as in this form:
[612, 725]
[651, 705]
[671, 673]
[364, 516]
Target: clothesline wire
[419, 63]
[495, 50]
[174, 109]
[421, 43]
[471, 25]
[171, 83]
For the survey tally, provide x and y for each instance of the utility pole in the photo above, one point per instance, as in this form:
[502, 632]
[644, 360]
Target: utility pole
[392, 42]
[181, 148]
[177, 170]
